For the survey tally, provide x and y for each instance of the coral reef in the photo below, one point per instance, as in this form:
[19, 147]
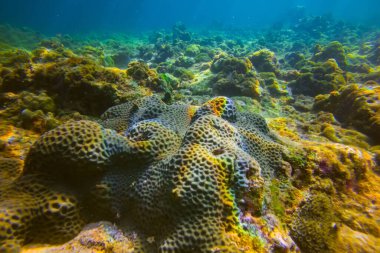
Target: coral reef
[189, 160]
[290, 162]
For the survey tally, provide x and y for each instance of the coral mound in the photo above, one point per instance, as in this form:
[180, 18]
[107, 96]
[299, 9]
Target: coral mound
[178, 174]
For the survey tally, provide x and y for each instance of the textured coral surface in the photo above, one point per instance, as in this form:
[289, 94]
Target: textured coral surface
[178, 174]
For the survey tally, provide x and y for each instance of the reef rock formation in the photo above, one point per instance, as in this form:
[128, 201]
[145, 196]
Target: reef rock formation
[363, 106]
[334, 50]
[264, 60]
[321, 78]
[178, 174]
[234, 77]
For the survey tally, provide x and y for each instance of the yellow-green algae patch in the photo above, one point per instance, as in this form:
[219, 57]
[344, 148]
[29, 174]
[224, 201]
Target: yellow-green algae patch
[340, 192]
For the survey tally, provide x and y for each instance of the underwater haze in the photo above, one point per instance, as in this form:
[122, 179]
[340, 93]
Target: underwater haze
[198, 126]
[75, 16]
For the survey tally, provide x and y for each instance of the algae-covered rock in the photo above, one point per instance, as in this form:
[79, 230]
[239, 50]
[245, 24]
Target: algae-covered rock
[15, 79]
[180, 33]
[19, 37]
[334, 50]
[372, 76]
[192, 50]
[140, 72]
[293, 59]
[164, 51]
[14, 58]
[15, 69]
[303, 103]
[184, 61]
[228, 64]
[74, 83]
[235, 77]
[38, 120]
[314, 227]
[344, 165]
[350, 240]
[100, 237]
[273, 85]
[183, 73]
[235, 84]
[79, 84]
[39, 101]
[356, 107]
[56, 44]
[170, 80]
[42, 55]
[264, 60]
[375, 55]
[319, 79]
[29, 110]
[202, 57]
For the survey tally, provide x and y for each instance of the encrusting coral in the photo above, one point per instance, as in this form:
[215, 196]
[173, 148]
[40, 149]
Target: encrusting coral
[178, 173]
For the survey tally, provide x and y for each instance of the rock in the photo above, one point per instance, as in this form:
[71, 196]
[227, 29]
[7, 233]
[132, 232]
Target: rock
[228, 64]
[264, 60]
[355, 106]
[235, 84]
[100, 237]
[180, 33]
[334, 50]
[319, 79]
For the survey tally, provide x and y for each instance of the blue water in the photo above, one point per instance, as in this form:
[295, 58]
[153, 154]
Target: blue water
[76, 16]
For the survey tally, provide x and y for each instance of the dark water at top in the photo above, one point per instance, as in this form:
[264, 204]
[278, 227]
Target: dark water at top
[79, 16]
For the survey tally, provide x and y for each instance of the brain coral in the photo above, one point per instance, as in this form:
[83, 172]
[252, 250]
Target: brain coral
[178, 174]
